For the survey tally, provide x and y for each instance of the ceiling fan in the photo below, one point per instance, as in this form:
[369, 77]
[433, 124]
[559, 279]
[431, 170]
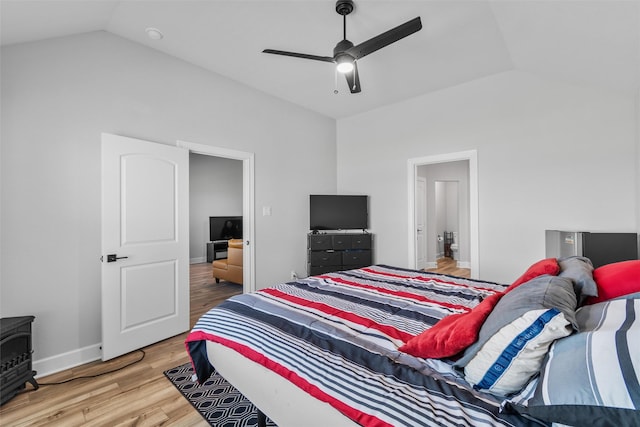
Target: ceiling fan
[345, 54]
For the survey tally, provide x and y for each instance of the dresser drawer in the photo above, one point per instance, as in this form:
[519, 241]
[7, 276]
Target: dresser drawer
[341, 242]
[356, 258]
[361, 241]
[316, 270]
[320, 242]
[324, 258]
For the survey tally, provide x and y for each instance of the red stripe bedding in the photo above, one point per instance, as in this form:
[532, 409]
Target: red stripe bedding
[336, 336]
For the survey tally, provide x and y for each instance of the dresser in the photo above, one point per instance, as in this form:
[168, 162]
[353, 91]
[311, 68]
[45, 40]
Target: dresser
[327, 252]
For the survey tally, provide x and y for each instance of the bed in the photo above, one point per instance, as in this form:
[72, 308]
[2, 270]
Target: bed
[387, 346]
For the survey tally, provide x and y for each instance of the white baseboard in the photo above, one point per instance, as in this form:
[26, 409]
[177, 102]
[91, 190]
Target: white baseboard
[198, 260]
[463, 264]
[71, 359]
[431, 264]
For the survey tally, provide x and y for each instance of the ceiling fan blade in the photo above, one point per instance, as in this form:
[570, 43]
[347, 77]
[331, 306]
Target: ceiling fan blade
[353, 80]
[386, 38]
[299, 55]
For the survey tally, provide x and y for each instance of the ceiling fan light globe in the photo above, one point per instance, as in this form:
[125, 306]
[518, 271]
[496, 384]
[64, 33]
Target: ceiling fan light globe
[344, 63]
[345, 67]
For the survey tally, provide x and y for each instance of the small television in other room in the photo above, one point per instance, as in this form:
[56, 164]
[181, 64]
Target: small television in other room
[225, 227]
[338, 212]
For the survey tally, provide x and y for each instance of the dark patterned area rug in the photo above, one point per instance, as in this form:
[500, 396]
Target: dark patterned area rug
[217, 401]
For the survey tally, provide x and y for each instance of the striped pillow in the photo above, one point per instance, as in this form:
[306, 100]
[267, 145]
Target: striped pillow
[542, 293]
[593, 377]
[508, 360]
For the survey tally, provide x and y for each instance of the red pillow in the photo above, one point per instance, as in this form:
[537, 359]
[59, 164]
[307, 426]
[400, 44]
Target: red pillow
[615, 280]
[452, 334]
[544, 266]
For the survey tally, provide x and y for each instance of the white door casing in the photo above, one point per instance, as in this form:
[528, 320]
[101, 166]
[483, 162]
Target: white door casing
[145, 224]
[421, 215]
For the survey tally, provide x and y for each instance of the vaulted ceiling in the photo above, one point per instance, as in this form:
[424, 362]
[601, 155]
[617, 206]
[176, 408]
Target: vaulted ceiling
[578, 41]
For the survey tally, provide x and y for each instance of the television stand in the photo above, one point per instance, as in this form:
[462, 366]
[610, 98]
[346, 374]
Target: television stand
[338, 251]
[215, 248]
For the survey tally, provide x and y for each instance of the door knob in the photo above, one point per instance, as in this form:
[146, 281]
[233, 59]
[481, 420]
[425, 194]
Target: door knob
[114, 257]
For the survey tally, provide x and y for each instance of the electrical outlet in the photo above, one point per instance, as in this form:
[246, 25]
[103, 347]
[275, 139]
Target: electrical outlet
[294, 275]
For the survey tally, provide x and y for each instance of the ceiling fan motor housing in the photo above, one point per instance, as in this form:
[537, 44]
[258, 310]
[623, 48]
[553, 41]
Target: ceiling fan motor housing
[344, 7]
[342, 46]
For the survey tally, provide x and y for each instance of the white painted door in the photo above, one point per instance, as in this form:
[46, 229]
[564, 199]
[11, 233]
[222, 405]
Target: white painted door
[421, 216]
[145, 246]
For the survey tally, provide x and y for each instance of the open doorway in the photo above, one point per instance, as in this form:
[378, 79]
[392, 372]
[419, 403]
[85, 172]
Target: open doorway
[215, 194]
[248, 232]
[432, 181]
[451, 219]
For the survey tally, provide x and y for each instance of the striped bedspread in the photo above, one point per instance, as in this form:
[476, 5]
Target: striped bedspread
[336, 337]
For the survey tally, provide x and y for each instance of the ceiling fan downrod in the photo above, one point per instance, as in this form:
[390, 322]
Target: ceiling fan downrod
[344, 27]
[344, 7]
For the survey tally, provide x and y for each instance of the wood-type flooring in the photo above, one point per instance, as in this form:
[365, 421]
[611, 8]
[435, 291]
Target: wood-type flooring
[450, 266]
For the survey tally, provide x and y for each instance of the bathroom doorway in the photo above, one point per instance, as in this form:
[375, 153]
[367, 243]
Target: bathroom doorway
[447, 223]
[457, 171]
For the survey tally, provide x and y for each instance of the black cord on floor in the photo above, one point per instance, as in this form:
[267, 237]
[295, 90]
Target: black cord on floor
[100, 374]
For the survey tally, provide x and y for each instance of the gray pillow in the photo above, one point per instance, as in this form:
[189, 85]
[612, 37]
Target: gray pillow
[543, 292]
[589, 378]
[580, 271]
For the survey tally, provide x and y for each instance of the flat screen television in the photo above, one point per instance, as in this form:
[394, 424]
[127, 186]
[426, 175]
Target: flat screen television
[225, 227]
[338, 212]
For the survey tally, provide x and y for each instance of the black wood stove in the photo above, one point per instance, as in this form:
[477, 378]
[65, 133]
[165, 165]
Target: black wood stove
[15, 356]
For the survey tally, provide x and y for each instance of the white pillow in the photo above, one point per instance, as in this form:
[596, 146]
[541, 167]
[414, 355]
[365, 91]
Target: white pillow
[508, 360]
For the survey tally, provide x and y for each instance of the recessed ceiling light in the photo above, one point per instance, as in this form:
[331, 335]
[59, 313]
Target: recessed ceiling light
[154, 33]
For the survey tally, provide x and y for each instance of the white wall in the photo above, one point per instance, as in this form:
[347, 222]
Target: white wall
[451, 199]
[550, 155]
[437, 221]
[215, 189]
[58, 96]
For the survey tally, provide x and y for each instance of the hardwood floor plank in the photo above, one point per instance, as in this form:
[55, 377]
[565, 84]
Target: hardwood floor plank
[130, 404]
[154, 417]
[55, 407]
[450, 266]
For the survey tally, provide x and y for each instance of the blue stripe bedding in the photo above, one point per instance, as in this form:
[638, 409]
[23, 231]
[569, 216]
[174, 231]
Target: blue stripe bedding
[336, 336]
